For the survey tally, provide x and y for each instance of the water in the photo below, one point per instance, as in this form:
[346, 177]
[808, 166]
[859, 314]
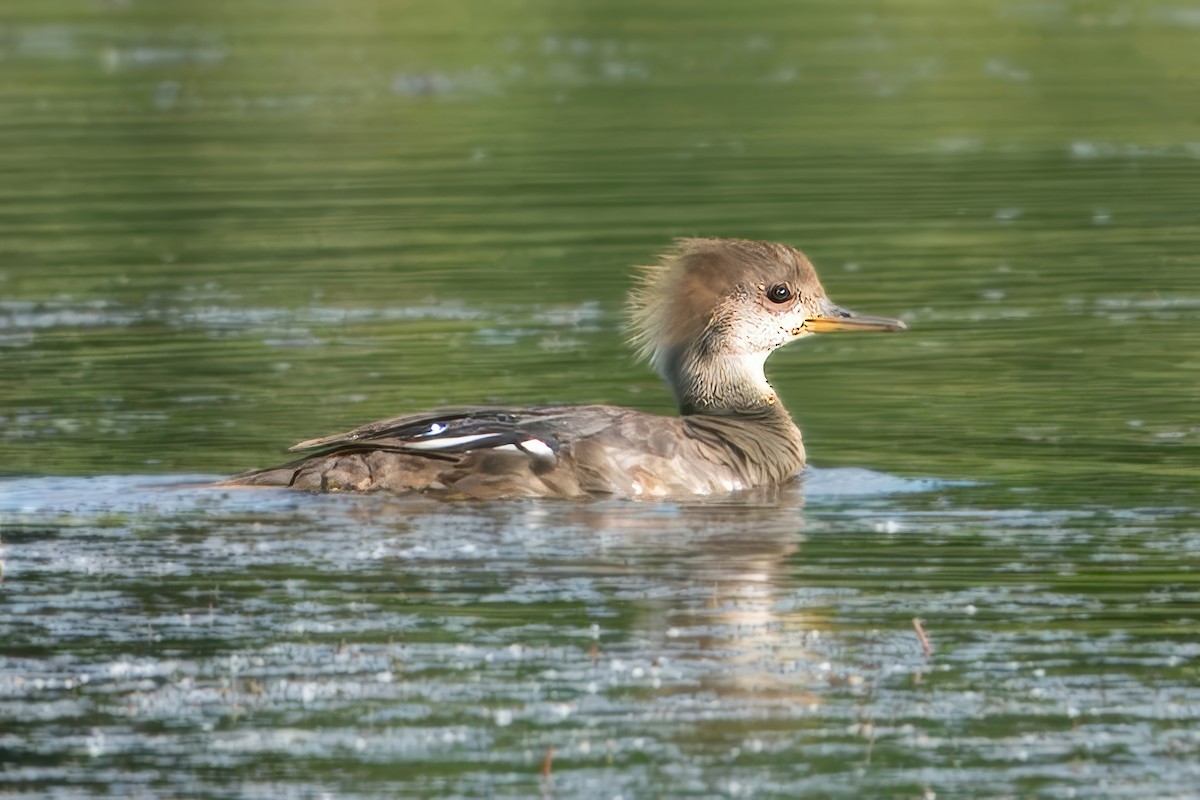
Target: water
[229, 229]
[164, 639]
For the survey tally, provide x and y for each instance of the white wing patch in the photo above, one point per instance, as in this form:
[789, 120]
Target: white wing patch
[538, 448]
[533, 447]
[449, 441]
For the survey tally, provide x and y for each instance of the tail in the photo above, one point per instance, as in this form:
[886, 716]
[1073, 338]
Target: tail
[283, 475]
[351, 470]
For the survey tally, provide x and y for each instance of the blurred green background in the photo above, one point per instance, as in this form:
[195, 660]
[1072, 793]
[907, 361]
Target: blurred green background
[227, 226]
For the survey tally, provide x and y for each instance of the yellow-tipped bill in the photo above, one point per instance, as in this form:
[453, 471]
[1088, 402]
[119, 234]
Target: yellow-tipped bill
[836, 318]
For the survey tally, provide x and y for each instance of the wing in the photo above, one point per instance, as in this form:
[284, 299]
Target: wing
[451, 431]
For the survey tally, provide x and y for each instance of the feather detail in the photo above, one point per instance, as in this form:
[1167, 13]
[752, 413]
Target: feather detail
[658, 319]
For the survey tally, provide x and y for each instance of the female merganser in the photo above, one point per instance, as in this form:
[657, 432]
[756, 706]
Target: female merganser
[706, 317]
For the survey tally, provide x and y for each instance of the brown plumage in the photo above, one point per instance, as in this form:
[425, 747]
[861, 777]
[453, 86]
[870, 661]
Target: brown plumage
[706, 317]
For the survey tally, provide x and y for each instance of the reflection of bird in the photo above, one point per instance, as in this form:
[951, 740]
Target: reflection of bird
[707, 316]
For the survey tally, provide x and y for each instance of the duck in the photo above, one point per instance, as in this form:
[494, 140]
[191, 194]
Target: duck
[706, 315]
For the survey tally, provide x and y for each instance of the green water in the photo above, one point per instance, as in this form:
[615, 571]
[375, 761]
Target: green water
[229, 226]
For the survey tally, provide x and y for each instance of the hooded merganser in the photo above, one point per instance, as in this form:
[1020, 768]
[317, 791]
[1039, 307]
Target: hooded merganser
[706, 317]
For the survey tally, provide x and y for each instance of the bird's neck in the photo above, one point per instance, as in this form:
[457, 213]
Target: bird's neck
[718, 383]
[726, 400]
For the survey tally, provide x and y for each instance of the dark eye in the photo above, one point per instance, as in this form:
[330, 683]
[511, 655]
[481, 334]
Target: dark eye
[779, 293]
